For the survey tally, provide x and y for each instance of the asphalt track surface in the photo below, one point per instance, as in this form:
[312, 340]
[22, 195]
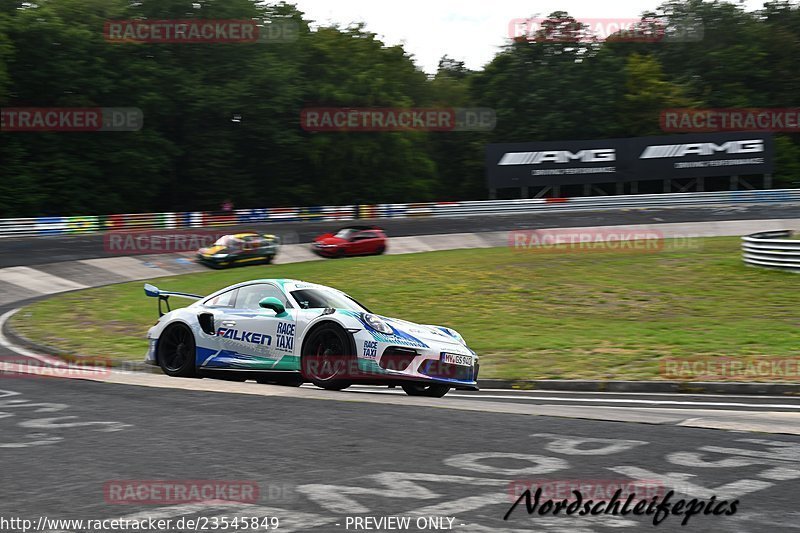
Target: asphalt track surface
[30, 251]
[321, 458]
[317, 462]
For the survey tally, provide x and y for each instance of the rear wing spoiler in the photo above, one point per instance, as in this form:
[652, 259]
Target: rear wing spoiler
[163, 296]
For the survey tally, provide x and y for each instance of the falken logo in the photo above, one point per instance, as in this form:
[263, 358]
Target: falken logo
[245, 336]
[753, 146]
[598, 155]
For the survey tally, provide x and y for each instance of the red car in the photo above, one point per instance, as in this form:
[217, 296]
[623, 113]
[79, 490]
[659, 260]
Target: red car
[352, 240]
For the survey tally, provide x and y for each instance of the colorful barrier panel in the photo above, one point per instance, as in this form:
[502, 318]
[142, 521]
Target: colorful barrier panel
[79, 225]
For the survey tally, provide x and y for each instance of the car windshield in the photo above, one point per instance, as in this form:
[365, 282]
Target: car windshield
[345, 233]
[323, 299]
[226, 241]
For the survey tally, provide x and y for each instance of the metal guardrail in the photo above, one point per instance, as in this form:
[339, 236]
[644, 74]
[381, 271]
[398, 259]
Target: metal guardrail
[43, 226]
[772, 249]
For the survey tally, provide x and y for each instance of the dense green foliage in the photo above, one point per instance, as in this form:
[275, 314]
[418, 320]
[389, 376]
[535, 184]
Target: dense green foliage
[192, 155]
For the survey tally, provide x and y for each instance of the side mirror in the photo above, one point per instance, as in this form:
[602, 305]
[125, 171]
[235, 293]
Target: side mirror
[270, 302]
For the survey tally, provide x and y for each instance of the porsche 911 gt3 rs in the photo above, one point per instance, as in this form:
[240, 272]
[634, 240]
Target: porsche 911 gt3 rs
[290, 332]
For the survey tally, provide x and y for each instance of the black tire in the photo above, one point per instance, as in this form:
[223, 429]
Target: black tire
[434, 390]
[380, 250]
[327, 358]
[268, 259]
[176, 351]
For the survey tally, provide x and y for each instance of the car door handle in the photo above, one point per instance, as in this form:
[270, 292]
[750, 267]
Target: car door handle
[228, 323]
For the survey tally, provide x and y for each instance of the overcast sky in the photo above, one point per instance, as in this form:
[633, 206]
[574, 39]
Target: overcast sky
[466, 30]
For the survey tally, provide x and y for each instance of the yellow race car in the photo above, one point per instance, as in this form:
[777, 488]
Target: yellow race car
[240, 249]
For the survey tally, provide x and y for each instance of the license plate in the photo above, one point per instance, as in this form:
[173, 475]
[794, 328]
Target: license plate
[456, 359]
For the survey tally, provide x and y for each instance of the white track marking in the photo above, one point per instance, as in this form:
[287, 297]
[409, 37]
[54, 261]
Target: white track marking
[49, 361]
[591, 393]
[38, 281]
[640, 402]
[290, 520]
[601, 400]
[24, 351]
[573, 445]
[41, 442]
[536, 464]
[734, 489]
[130, 268]
[605, 393]
[173, 511]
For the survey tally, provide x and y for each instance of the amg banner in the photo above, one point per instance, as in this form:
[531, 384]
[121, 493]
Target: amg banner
[634, 159]
[552, 163]
[700, 155]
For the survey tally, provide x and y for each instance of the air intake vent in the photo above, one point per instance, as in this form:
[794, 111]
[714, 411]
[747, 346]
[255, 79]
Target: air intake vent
[396, 358]
[206, 323]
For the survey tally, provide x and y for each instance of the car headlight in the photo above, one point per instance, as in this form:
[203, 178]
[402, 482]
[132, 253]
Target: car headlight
[219, 256]
[377, 324]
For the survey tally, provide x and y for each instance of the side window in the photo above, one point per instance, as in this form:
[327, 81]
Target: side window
[226, 299]
[250, 295]
[252, 243]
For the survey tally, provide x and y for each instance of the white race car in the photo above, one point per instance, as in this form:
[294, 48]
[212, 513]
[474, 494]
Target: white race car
[289, 332]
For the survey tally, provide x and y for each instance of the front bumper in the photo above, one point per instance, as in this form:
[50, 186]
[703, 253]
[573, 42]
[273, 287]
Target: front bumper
[424, 366]
[208, 260]
[325, 252]
[152, 350]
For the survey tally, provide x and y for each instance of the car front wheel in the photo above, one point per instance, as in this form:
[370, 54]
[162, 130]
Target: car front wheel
[327, 360]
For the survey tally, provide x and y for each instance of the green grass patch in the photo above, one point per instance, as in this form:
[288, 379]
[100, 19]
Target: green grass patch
[530, 315]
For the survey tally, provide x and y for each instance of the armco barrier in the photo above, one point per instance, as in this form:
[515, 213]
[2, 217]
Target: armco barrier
[772, 249]
[42, 226]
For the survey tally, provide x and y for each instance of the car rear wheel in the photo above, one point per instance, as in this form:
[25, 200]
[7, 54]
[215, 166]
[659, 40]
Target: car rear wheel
[434, 390]
[176, 351]
[327, 357]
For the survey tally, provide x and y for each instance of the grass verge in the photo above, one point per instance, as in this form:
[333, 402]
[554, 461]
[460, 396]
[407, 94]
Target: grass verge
[530, 315]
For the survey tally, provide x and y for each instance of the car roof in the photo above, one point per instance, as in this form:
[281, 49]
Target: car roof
[283, 282]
